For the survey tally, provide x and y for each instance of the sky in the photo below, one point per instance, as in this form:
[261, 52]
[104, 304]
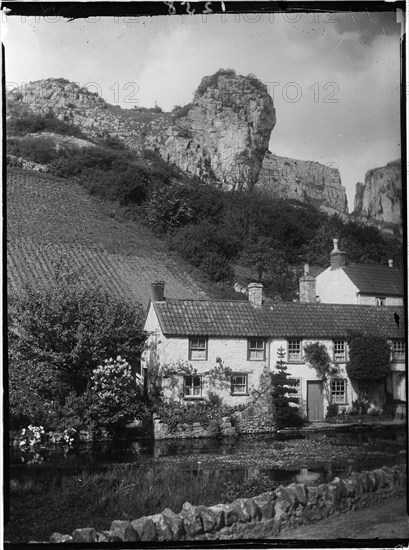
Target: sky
[334, 78]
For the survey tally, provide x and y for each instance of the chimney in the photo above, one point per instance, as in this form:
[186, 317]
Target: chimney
[307, 287]
[158, 291]
[390, 263]
[256, 294]
[337, 257]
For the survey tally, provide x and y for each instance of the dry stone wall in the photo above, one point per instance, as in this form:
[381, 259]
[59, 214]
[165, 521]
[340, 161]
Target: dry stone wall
[263, 516]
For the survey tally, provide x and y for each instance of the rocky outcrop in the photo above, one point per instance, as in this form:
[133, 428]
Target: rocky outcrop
[224, 134]
[305, 181]
[221, 136]
[379, 199]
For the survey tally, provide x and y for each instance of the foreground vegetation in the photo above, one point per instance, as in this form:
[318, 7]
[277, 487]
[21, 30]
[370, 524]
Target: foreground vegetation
[38, 508]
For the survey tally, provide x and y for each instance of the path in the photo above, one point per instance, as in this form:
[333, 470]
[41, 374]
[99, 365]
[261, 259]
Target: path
[388, 520]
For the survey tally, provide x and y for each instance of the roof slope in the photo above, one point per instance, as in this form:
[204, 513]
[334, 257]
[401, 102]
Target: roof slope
[287, 319]
[376, 279]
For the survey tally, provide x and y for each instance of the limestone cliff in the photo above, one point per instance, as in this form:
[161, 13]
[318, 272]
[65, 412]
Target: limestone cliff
[306, 181]
[379, 198]
[224, 133]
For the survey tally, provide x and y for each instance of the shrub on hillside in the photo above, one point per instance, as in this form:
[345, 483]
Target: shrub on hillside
[41, 150]
[208, 247]
[32, 124]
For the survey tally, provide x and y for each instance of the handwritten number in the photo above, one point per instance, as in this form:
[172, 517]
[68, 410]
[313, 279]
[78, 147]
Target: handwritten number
[171, 9]
[207, 9]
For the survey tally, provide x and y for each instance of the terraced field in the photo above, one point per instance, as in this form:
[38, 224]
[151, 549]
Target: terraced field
[54, 226]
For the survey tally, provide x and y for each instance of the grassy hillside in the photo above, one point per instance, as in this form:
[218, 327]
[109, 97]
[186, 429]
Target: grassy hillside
[54, 226]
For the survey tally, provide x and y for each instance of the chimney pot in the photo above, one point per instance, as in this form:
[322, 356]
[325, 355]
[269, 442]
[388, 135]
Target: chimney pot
[256, 294]
[390, 262]
[158, 291]
[337, 257]
[306, 269]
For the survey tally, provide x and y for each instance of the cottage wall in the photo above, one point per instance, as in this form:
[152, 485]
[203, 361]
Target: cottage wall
[365, 300]
[228, 352]
[334, 287]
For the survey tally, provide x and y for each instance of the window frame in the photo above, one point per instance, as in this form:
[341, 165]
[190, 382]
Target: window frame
[192, 396]
[402, 353]
[246, 384]
[380, 301]
[345, 383]
[299, 353]
[198, 348]
[334, 351]
[256, 349]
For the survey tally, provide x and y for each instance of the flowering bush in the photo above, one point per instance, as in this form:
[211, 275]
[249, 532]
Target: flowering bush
[116, 398]
[33, 435]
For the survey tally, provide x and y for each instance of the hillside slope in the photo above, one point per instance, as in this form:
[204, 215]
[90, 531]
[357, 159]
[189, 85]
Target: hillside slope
[54, 226]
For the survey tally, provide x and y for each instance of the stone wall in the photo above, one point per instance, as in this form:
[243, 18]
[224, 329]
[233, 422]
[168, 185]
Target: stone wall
[263, 516]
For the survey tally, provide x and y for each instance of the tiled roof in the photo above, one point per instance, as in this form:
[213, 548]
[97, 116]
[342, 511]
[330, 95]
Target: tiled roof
[376, 280]
[285, 319]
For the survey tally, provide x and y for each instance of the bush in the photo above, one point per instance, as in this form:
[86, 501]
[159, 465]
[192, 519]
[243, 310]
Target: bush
[211, 81]
[179, 112]
[41, 150]
[207, 247]
[33, 124]
[332, 410]
[115, 398]
[57, 337]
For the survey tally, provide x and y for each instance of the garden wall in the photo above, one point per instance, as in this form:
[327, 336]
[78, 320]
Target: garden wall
[251, 420]
[263, 516]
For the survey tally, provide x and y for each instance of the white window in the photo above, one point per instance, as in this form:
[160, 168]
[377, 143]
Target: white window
[198, 349]
[239, 384]
[192, 386]
[398, 350]
[256, 349]
[339, 351]
[339, 390]
[380, 300]
[294, 351]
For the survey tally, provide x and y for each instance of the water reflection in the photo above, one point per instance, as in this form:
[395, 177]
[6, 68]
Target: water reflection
[57, 460]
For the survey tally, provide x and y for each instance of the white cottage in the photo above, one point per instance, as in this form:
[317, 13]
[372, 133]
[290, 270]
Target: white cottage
[362, 284]
[245, 336]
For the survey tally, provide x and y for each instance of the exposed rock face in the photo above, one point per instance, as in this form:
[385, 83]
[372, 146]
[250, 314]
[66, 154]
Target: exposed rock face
[222, 135]
[225, 133]
[379, 199]
[306, 181]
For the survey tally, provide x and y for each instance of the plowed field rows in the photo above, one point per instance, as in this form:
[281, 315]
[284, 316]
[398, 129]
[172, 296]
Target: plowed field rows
[53, 226]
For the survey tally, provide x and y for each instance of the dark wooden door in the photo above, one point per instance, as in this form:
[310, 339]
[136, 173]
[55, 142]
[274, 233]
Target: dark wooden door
[315, 401]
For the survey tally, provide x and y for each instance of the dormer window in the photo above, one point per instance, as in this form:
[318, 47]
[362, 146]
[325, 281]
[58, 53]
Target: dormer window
[380, 301]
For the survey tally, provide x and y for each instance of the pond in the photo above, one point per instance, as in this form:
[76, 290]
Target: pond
[318, 456]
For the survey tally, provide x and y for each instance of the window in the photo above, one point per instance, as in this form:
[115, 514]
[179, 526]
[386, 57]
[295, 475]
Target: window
[339, 351]
[398, 350]
[380, 301]
[256, 349]
[198, 349]
[294, 351]
[339, 390]
[239, 384]
[192, 386]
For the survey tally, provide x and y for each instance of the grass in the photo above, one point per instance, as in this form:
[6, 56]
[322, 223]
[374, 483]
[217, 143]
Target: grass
[93, 500]
[53, 222]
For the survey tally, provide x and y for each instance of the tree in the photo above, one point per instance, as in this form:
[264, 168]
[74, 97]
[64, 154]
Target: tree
[317, 356]
[59, 335]
[369, 362]
[282, 389]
